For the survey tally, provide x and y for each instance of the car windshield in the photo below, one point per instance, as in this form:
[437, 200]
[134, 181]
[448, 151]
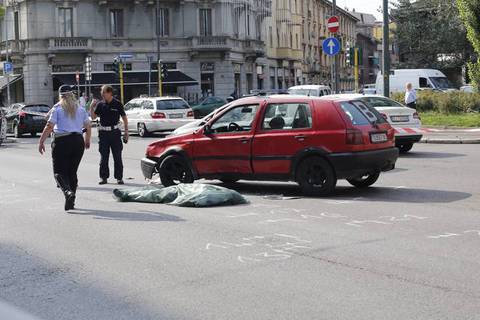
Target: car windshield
[381, 102]
[441, 83]
[172, 104]
[37, 108]
[302, 92]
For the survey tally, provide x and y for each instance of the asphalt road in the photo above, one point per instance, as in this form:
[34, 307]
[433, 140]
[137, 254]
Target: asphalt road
[407, 248]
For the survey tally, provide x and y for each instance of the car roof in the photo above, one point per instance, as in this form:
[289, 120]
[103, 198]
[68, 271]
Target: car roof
[282, 98]
[352, 96]
[310, 86]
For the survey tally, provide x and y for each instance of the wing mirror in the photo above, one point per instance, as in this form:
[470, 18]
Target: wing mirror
[207, 130]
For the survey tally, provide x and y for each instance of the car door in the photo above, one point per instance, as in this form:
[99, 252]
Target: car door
[226, 147]
[286, 129]
[132, 110]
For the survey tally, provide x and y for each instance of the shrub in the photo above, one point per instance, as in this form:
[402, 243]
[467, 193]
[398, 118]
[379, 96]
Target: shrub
[444, 102]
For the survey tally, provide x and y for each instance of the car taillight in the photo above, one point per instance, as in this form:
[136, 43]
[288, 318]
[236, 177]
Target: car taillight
[391, 134]
[158, 115]
[190, 114]
[384, 116]
[354, 136]
[416, 116]
[22, 114]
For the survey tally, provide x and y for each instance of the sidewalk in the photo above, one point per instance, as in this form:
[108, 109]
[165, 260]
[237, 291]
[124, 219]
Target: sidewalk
[451, 136]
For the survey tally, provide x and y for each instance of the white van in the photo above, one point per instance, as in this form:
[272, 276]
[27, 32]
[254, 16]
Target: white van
[420, 78]
[310, 90]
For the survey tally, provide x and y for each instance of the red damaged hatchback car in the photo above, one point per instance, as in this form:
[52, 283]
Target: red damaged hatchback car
[313, 141]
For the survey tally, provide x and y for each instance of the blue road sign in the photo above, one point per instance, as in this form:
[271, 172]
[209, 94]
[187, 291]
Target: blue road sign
[331, 46]
[125, 56]
[7, 67]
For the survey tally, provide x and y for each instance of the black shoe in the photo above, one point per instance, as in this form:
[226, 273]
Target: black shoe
[69, 200]
[120, 181]
[103, 181]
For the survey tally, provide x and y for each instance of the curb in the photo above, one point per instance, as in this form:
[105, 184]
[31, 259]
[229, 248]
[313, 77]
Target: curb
[450, 141]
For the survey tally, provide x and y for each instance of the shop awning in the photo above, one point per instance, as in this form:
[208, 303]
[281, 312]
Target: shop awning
[13, 78]
[174, 78]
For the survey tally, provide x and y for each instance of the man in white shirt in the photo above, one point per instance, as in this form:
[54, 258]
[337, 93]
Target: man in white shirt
[410, 96]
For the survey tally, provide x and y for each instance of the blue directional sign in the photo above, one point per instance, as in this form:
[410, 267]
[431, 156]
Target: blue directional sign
[331, 46]
[125, 56]
[7, 67]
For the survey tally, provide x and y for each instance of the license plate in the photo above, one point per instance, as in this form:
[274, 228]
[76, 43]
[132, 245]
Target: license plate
[378, 137]
[399, 118]
[176, 115]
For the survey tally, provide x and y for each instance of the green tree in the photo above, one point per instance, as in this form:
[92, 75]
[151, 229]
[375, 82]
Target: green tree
[430, 34]
[470, 14]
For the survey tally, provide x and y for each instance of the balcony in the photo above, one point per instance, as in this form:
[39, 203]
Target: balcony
[75, 44]
[210, 42]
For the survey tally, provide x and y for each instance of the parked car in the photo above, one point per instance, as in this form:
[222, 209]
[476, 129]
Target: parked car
[206, 106]
[405, 120]
[3, 126]
[26, 118]
[310, 90]
[467, 88]
[313, 141]
[148, 115]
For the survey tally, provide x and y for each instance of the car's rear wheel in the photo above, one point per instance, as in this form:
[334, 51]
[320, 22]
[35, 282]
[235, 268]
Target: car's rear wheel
[364, 181]
[142, 130]
[16, 131]
[175, 170]
[405, 147]
[316, 177]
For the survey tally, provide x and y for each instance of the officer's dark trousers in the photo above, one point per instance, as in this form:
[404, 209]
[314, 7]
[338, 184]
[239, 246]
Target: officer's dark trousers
[67, 152]
[110, 140]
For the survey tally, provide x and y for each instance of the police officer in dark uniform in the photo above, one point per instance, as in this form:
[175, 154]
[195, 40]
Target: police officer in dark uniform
[109, 134]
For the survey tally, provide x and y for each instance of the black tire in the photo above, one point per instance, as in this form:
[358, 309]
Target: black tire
[364, 181]
[404, 148]
[175, 170]
[142, 130]
[16, 131]
[316, 177]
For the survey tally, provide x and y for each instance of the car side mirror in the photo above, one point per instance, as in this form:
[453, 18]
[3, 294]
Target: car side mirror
[207, 130]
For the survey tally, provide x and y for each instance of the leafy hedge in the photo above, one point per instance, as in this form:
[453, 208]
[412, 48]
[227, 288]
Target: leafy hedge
[450, 102]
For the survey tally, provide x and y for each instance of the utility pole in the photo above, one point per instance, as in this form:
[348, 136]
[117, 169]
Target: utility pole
[386, 51]
[7, 58]
[157, 30]
[122, 92]
[335, 75]
[356, 61]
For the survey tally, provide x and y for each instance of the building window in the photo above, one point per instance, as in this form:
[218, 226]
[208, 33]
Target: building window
[116, 23]
[163, 22]
[65, 20]
[248, 24]
[205, 22]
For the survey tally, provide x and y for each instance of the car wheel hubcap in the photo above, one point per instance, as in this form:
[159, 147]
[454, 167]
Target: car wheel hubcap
[177, 172]
[316, 176]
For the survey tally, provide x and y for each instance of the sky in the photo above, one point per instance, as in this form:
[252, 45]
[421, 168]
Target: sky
[366, 6]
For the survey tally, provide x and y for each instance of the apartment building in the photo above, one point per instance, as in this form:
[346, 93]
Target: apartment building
[210, 47]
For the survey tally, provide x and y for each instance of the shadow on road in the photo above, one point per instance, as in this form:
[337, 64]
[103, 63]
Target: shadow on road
[380, 194]
[127, 216]
[430, 155]
[54, 290]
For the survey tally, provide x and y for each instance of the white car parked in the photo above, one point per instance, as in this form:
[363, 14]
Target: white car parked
[156, 114]
[404, 120]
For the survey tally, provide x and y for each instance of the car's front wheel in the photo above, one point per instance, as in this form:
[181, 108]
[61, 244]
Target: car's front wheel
[175, 170]
[404, 148]
[364, 181]
[316, 177]
[142, 130]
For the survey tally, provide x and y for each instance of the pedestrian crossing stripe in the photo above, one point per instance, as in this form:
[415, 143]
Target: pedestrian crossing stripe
[406, 130]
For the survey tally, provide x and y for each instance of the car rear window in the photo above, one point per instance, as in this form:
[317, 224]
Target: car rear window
[355, 115]
[172, 104]
[37, 108]
[381, 102]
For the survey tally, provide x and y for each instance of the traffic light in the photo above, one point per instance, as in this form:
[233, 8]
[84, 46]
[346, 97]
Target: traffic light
[348, 54]
[116, 66]
[164, 72]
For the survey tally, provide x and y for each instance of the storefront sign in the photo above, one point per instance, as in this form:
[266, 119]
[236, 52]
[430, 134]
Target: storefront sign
[207, 67]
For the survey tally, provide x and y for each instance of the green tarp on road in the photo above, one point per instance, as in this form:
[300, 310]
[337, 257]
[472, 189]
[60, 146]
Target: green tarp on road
[182, 195]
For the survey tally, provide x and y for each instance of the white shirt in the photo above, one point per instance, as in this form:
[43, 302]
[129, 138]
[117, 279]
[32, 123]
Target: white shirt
[410, 96]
